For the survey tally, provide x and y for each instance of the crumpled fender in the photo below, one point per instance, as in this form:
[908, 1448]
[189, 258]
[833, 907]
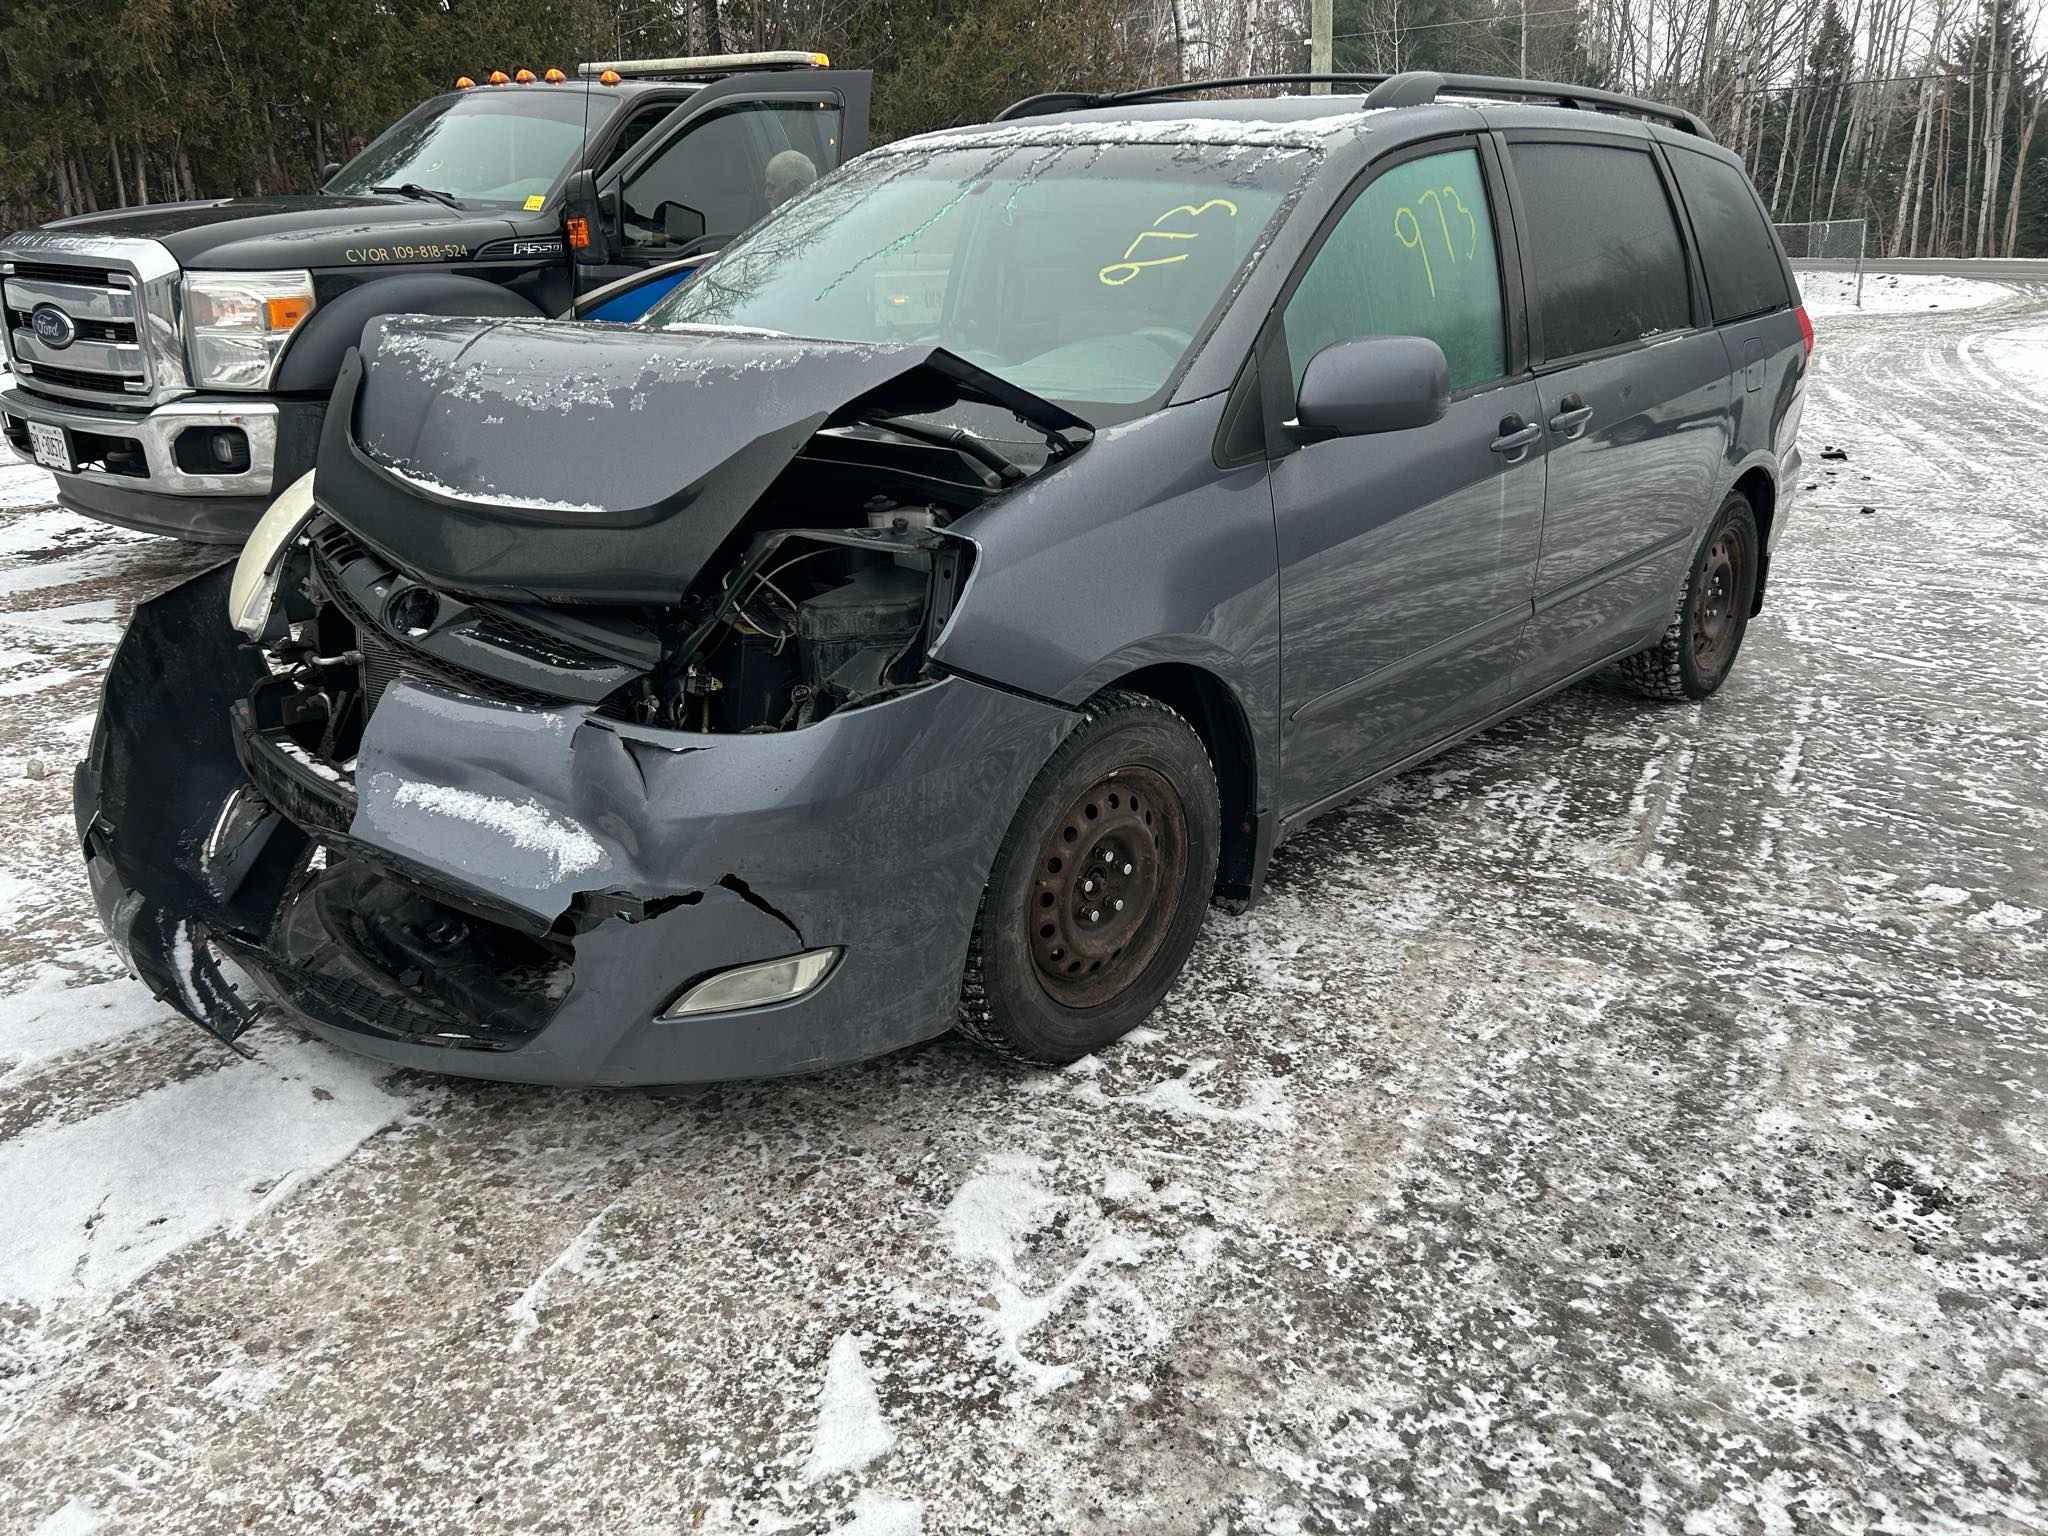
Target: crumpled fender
[529, 808]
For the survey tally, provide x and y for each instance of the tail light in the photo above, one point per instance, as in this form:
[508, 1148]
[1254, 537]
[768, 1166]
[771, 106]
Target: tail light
[1805, 330]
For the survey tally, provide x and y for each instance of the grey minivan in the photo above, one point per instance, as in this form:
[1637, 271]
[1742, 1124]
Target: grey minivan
[982, 565]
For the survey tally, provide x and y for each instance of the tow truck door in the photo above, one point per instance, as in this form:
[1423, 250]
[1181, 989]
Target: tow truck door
[717, 164]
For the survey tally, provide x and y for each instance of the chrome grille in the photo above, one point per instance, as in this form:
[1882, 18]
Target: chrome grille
[118, 300]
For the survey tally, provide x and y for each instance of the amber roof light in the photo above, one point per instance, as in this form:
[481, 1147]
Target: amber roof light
[499, 77]
[464, 83]
[554, 77]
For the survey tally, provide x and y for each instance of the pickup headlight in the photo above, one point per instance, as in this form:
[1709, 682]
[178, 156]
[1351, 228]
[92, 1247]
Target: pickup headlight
[237, 322]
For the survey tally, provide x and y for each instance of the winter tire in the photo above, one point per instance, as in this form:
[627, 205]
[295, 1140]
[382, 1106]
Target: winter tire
[1099, 889]
[1694, 655]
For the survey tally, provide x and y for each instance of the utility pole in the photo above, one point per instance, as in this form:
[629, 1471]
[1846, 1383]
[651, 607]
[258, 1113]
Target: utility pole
[1319, 43]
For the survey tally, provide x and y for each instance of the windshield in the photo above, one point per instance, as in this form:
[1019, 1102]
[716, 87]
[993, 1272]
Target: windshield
[1082, 272]
[492, 144]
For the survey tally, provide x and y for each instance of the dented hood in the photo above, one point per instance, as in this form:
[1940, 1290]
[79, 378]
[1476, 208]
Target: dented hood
[550, 460]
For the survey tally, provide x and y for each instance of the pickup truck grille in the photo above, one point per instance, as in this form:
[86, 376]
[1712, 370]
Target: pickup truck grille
[98, 339]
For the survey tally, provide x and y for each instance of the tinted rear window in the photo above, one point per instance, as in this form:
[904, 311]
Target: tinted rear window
[1744, 276]
[1609, 265]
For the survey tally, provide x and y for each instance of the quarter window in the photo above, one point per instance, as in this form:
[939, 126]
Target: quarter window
[1744, 275]
[1604, 245]
[1412, 256]
[722, 173]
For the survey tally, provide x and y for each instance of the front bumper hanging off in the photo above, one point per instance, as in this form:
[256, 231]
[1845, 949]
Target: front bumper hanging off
[516, 892]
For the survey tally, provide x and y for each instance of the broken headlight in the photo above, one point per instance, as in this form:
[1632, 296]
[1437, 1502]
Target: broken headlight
[253, 592]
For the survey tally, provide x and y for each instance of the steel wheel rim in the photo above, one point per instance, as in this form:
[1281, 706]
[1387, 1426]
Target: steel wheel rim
[1715, 622]
[1106, 886]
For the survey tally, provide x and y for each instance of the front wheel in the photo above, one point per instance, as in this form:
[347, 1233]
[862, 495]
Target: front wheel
[1099, 889]
[1694, 655]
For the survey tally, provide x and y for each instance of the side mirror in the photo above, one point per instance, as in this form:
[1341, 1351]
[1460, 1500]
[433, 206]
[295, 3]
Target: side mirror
[588, 233]
[327, 171]
[1374, 384]
[681, 224]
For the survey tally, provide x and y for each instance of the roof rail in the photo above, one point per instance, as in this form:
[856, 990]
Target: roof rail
[1420, 86]
[1081, 101]
[1414, 88]
[705, 64]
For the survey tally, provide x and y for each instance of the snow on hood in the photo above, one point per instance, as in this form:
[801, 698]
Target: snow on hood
[536, 457]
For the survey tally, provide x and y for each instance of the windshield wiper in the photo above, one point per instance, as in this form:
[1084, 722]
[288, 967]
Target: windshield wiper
[960, 440]
[417, 192]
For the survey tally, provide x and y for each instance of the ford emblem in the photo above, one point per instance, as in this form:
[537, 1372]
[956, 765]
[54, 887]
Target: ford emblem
[54, 329]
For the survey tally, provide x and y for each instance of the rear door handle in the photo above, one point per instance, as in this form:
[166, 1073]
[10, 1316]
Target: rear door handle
[1572, 416]
[1516, 438]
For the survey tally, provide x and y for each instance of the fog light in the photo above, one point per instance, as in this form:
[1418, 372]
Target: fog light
[229, 448]
[212, 450]
[756, 985]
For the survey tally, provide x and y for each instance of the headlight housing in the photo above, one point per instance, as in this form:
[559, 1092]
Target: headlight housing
[236, 323]
[252, 594]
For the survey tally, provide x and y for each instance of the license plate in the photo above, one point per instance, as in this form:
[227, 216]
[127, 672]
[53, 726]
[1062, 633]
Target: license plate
[49, 446]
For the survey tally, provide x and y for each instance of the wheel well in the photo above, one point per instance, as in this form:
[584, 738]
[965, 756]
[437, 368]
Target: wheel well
[1207, 704]
[1761, 492]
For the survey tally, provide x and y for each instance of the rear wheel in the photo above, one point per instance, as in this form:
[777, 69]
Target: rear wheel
[1099, 890]
[1694, 655]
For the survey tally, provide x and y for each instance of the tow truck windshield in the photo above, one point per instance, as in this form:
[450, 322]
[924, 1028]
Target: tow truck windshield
[489, 146]
[1082, 272]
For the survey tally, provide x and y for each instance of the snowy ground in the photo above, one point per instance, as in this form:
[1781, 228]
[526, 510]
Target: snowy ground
[1829, 292]
[1634, 1121]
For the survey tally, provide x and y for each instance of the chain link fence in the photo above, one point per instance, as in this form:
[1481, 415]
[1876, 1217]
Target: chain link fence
[1828, 242]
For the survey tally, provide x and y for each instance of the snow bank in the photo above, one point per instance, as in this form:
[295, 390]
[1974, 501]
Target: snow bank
[1888, 293]
[2021, 354]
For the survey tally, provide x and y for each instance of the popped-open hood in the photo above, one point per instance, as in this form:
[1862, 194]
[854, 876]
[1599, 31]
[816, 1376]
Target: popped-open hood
[542, 459]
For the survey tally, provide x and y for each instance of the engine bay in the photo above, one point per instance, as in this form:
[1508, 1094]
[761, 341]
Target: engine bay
[798, 624]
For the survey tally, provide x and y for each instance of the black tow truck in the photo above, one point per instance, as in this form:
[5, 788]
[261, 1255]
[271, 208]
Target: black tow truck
[171, 364]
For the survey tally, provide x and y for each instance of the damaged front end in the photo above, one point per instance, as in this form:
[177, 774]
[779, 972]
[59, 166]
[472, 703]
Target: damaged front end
[561, 784]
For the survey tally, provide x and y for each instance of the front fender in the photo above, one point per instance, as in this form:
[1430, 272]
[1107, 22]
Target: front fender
[1139, 552]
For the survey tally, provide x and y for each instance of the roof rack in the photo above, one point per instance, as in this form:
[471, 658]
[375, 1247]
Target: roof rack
[703, 65]
[1414, 88]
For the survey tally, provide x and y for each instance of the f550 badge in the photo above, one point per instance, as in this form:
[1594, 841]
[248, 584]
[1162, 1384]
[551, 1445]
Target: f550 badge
[375, 255]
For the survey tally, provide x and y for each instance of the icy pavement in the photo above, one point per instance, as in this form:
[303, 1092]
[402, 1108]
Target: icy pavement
[1634, 1121]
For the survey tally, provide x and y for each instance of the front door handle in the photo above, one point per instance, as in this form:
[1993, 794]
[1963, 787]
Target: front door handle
[1572, 415]
[1516, 438]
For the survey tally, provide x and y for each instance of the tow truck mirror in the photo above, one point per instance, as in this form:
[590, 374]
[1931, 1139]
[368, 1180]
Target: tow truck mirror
[681, 224]
[328, 170]
[584, 223]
